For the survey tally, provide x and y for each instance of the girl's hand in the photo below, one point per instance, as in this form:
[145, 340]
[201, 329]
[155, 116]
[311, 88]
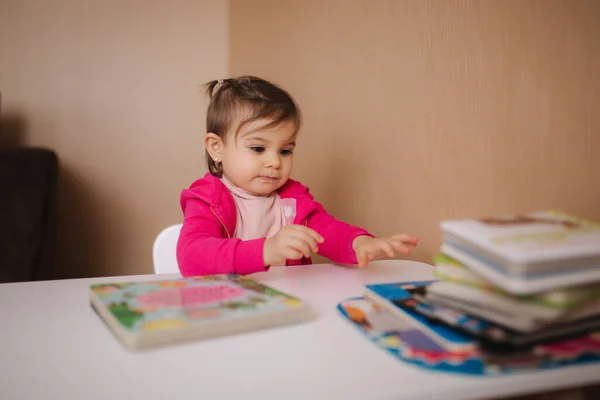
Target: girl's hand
[368, 249]
[292, 242]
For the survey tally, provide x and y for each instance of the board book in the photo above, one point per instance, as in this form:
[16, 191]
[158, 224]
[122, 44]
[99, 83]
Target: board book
[529, 314]
[518, 283]
[385, 294]
[492, 335]
[442, 317]
[559, 298]
[402, 340]
[531, 243]
[144, 315]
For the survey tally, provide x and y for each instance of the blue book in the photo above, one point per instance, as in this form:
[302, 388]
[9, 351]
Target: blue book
[386, 295]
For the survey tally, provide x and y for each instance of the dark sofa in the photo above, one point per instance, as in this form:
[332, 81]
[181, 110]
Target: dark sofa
[28, 183]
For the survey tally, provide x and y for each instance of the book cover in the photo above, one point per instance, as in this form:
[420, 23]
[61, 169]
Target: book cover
[495, 336]
[387, 294]
[451, 270]
[514, 313]
[400, 339]
[520, 283]
[541, 239]
[151, 314]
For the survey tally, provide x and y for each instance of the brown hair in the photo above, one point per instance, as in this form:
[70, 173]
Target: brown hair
[249, 95]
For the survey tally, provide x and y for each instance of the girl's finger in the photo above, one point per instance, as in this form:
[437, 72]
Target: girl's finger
[291, 254]
[406, 239]
[301, 245]
[311, 232]
[362, 259]
[305, 236]
[400, 246]
[387, 247]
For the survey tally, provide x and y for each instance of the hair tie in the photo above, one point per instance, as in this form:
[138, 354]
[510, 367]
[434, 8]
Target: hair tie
[220, 81]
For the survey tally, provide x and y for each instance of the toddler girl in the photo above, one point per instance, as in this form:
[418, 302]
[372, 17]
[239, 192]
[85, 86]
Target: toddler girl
[246, 214]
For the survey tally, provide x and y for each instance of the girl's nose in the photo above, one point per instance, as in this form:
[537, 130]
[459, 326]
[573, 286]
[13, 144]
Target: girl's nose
[273, 161]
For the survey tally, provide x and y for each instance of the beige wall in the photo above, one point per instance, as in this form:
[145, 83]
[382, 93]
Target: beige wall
[415, 111]
[418, 111]
[113, 87]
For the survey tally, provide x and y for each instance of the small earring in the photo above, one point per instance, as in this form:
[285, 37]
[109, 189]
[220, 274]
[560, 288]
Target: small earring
[216, 159]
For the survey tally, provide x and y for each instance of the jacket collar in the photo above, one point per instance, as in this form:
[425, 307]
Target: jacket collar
[211, 190]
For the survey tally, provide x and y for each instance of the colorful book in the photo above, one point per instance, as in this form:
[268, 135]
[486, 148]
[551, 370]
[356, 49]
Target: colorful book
[520, 316]
[491, 335]
[451, 270]
[386, 295]
[518, 283]
[401, 340]
[151, 314]
[530, 244]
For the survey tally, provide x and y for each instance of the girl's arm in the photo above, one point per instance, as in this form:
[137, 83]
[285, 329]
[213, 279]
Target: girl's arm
[204, 249]
[348, 244]
[338, 236]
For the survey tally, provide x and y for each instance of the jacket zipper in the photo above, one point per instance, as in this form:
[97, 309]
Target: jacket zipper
[298, 262]
[221, 222]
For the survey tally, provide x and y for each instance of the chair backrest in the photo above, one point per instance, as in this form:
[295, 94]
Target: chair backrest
[164, 250]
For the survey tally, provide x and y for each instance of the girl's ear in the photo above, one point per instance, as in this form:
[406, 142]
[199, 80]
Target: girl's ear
[214, 146]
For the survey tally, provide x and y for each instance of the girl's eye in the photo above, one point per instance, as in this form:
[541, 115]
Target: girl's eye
[285, 152]
[257, 149]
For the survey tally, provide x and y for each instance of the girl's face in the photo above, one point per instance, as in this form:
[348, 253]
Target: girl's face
[259, 160]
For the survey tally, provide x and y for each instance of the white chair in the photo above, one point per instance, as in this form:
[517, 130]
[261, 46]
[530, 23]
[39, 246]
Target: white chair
[164, 250]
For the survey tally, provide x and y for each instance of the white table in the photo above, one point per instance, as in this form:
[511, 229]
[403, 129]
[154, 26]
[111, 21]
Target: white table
[53, 346]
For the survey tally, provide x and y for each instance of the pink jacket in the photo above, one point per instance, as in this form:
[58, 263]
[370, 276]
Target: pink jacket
[206, 246]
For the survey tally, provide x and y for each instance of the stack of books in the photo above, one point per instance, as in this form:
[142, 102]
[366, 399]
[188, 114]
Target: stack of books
[514, 281]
